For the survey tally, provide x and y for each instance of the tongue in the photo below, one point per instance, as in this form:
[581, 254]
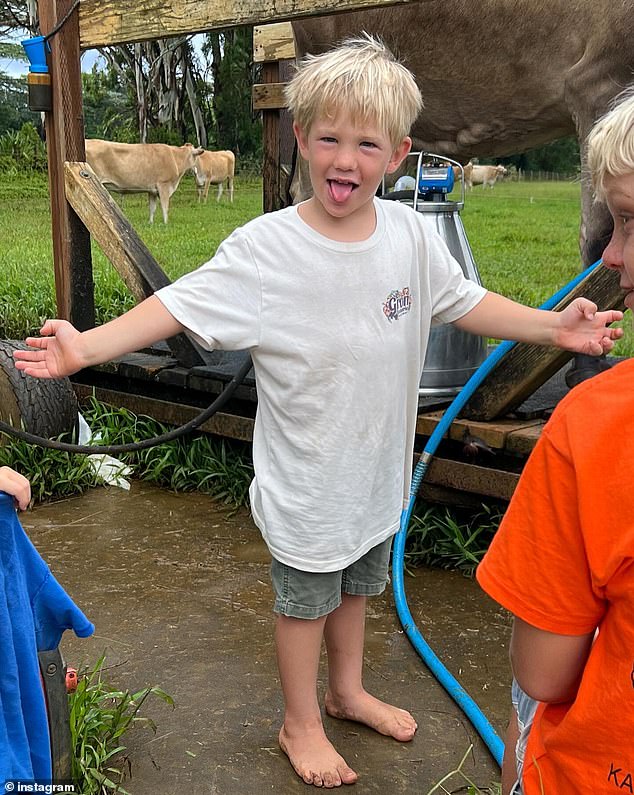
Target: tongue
[340, 190]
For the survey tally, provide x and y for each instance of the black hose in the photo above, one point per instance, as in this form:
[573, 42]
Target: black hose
[114, 449]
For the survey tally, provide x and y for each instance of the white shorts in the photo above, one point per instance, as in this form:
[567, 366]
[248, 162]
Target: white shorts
[525, 707]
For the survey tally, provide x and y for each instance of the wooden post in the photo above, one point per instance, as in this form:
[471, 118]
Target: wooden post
[274, 48]
[65, 141]
[271, 146]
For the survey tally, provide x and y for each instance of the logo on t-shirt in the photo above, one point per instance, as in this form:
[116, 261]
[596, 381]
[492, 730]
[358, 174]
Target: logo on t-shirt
[398, 303]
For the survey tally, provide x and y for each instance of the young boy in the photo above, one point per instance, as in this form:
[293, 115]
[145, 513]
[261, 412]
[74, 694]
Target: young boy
[563, 559]
[334, 298]
[15, 484]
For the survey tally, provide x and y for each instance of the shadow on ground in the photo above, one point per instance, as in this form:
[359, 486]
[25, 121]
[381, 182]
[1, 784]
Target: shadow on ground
[179, 592]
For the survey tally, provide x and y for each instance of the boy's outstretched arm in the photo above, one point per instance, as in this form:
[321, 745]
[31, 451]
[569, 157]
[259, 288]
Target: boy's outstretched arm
[579, 327]
[62, 350]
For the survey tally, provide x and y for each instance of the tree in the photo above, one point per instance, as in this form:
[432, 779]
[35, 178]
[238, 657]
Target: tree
[14, 111]
[109, 109]
[230, 59]
[18, 16]
[162, 74]
[560, 157]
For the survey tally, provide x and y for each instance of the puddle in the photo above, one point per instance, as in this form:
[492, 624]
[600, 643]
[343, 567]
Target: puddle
[178, 588]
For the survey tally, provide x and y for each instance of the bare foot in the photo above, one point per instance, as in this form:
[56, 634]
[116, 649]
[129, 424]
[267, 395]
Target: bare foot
[314, 757]
[382, 717]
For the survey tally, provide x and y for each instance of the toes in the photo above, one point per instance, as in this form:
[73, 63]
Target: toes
[348, 776]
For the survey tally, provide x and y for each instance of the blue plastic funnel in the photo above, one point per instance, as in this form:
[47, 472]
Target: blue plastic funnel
[36, 49]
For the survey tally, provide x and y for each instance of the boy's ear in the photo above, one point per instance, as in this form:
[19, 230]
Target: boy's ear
[399, 154]
[302, 140]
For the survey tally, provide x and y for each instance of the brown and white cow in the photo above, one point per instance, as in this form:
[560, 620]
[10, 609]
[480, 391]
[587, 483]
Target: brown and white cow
[214, 168]
[155, 169]
[483, 175]
[499, 77]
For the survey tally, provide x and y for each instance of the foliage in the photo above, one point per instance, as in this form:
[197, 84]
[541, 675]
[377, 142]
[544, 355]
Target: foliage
[22, 151]
[451, 538]
[163, 77]
[199, 462]
[14, 110]
[16, 16]
[236, 127]
[217, 467]
[472, 789]
[53, 473]
[108, 107]
[560, 157]
[100, 716]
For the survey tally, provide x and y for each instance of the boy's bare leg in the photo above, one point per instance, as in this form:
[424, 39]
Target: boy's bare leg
[302, 736]
[346, 697]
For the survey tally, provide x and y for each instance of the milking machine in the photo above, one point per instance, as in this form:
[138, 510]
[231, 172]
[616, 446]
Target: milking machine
[453, 355]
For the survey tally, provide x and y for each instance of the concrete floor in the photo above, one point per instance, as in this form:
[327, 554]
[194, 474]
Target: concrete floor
[179, 592]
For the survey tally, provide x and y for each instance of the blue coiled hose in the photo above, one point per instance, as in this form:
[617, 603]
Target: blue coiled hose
[446, 679]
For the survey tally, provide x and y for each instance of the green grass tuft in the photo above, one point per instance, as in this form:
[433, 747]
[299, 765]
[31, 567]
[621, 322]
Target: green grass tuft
[100, 717]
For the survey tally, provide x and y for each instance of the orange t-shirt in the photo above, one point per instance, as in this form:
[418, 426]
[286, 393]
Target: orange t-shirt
[563, 561]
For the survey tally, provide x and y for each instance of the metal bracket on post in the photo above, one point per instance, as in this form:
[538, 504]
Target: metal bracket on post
[54, 683]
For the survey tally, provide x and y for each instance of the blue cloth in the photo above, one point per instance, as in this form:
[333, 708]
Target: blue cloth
[34, 612]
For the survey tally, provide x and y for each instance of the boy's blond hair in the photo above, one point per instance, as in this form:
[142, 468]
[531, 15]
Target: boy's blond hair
[361, 77]
[611, 143]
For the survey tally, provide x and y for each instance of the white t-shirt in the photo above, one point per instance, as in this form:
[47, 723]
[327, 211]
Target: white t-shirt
[338, 334]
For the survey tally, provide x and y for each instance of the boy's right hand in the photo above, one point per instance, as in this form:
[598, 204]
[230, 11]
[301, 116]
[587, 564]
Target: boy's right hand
[56, 352]
[16, 485]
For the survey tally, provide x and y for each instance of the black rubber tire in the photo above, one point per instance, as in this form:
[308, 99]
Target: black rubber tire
[42, 407]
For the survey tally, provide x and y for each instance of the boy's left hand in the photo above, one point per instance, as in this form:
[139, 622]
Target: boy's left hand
[584, 330]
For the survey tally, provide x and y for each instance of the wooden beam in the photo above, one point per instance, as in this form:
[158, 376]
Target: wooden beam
[273, 42]
[467, 477]
[271, 176]
[268, 96]
[526, 367]
[65, 141]
[122, 246]
[497, 435]
[169, 412]
[105, 22]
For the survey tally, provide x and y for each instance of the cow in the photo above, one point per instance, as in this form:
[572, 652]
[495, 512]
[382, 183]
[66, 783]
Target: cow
[498, 78]
[214, 168]
[155, 169]
[483, 175]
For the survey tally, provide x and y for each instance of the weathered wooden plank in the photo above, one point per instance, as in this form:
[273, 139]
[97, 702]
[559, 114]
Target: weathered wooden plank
[273, 42]
[495, 434]
[112, 230]
[467, 477]
[105, 22]
[521, 442]
[122, 246]
[268, 96]
[527, 367]
[223, 424]
[65, 141]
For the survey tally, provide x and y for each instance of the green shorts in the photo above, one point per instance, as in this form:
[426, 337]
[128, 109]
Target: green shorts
[310, 594]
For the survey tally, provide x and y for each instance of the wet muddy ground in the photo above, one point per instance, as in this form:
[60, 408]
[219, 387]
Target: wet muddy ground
[179, 592]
